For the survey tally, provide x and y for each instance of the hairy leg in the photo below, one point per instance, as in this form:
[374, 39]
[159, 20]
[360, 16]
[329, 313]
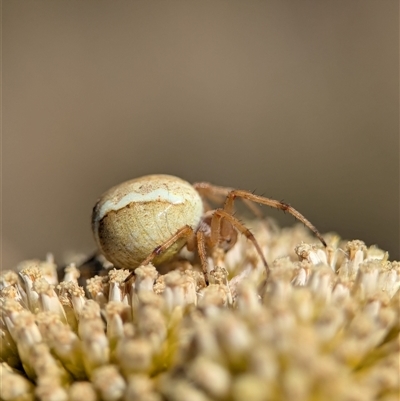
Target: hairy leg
[218, 194]
[237, 193]
[218, 216]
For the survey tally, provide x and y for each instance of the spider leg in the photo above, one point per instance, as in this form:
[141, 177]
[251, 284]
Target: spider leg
[201, 249]
[218, 194]
[217, 217]
[184, 232]
[237, 193]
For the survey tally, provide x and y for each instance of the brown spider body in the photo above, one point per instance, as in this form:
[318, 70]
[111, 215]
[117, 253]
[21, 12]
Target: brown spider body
[149, 219]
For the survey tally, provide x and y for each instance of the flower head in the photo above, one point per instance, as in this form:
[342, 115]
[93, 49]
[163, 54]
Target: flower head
[324, 325]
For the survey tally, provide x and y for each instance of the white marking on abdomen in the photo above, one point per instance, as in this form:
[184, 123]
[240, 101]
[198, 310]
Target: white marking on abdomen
[136, 197]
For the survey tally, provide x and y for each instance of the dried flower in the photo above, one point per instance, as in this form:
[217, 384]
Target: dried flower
[325, 325]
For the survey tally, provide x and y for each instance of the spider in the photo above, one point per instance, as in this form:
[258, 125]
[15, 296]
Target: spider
[149, 219]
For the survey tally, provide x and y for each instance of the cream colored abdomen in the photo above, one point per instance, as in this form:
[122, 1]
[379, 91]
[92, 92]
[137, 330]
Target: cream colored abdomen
[132, 219]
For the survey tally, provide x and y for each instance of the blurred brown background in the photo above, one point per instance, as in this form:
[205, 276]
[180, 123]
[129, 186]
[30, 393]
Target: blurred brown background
[297, 100]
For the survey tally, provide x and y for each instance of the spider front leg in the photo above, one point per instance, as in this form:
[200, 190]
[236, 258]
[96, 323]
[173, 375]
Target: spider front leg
[237, 193]
[218, 194]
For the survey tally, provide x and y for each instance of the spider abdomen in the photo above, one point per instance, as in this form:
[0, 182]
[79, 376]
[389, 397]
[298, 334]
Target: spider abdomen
[131, 219]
